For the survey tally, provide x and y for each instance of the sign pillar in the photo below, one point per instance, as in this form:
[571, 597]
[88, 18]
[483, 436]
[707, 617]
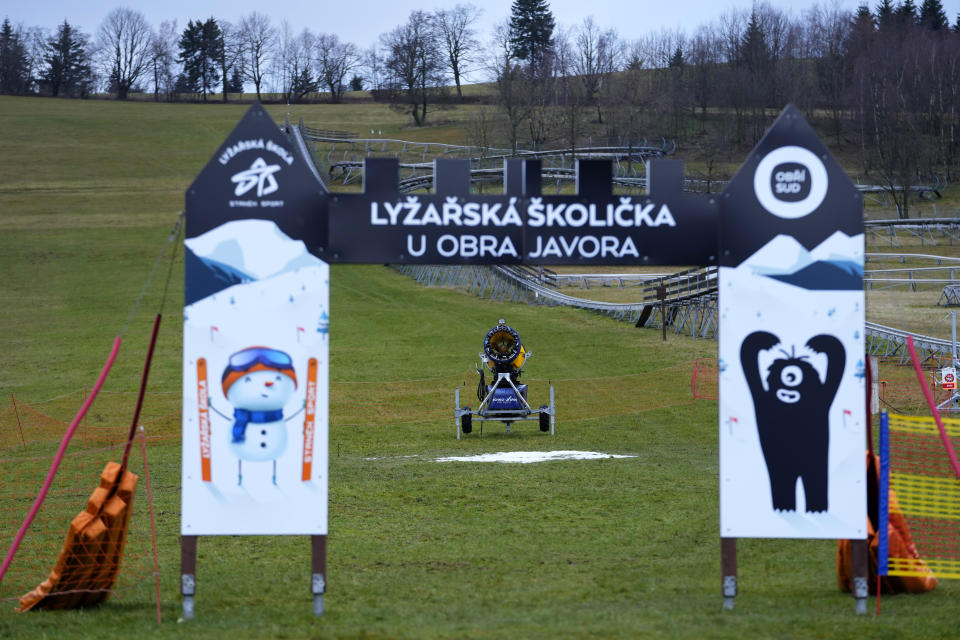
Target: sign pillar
[728, 571]
[791, 346]
[255, 349]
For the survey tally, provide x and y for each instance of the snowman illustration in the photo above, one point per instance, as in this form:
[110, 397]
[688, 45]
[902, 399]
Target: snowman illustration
[259, 382]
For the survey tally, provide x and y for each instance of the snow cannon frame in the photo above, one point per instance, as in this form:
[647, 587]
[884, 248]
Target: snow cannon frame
[505, 400]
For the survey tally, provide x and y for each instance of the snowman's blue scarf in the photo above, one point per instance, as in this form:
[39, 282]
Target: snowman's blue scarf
[242, 417]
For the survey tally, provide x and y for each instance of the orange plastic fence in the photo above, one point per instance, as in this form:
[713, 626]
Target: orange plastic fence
[89, 562]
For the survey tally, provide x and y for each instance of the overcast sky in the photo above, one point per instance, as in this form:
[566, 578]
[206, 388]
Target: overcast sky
[362, 21]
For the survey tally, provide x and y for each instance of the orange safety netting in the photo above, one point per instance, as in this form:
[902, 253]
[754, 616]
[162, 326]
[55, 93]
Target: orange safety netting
[29, 436]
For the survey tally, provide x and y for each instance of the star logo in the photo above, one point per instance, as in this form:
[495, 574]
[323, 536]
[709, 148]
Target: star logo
[259, 175]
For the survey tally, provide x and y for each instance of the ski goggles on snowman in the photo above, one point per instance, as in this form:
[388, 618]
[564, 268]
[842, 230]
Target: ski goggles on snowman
[243, 360]
[253, 359]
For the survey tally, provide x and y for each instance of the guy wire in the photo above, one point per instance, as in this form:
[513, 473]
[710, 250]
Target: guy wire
[173, 235]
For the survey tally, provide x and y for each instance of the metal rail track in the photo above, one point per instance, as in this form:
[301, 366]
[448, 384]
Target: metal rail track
[689, 304]
[689, 309]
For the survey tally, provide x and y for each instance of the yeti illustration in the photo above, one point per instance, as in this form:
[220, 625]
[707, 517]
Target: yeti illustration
[793, 416]
[258, 382]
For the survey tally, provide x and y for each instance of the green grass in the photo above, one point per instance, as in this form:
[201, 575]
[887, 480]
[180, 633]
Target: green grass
[417, 549]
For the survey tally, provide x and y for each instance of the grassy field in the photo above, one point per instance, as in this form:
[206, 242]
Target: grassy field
[417, 549]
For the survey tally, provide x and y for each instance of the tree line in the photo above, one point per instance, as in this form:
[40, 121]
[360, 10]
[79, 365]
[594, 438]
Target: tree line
[881, 81]
[212, 58]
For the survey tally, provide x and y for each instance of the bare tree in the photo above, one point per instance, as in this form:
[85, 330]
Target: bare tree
[596, 57]
[704, 58]
[35, 42]
[284, 59]
[510, 79]
[628, 99]
[373, 63]
[480, 133]
[456, 33]
[828, 33]
[302, 78]
[258, 38]
[335, 59]
[123, 41]
[163, 56]
[570, 98]
[230, 52]
[413, 63]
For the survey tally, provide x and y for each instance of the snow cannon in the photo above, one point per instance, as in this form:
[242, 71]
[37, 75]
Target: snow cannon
[505, 400]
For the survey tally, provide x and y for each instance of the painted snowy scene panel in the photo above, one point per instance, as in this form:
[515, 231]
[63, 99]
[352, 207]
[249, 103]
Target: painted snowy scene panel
[256, 355]
[792, 414]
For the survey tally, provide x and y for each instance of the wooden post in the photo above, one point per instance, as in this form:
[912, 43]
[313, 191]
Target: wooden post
[318, 570]
[858, 570]
[188, 571]
[728, 570]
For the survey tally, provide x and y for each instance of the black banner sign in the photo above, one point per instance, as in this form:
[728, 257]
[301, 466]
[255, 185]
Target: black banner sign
[522, 225]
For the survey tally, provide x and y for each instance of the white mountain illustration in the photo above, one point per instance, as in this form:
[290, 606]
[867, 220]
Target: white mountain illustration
[839, 248]
[256, 248]
[784, 255]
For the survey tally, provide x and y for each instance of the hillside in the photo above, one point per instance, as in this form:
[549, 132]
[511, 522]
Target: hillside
[418, 548]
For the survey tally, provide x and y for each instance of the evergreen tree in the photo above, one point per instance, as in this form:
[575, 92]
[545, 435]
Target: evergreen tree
[676, 60]
[864, 17]
[303, 83]
[68, 68]
[861, 32]
[906, 13]
[200, 47]
[885, 13]
[531, 31]
[754, 52]
[14, 69]
[235, 84]
[932, 15]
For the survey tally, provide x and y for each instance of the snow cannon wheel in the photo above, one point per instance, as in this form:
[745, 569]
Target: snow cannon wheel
[544, 419]
[466, 422]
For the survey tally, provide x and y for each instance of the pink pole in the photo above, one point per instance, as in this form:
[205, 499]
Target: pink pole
[933, 408]
[58, 458]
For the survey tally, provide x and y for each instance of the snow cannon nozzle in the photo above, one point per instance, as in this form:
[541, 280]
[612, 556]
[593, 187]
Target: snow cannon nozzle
[503, 349]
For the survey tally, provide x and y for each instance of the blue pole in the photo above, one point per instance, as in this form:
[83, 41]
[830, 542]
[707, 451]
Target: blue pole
[883, 510]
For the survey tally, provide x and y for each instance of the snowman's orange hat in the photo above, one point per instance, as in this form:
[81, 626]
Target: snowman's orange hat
[257, 359]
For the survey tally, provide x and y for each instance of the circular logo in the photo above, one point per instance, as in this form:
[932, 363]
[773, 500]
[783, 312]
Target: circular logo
[790, 182]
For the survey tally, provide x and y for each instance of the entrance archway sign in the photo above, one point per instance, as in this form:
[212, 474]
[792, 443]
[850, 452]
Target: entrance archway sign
[261, 231]
[523, 226]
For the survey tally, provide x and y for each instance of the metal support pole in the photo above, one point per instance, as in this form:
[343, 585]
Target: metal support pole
[858, 561]
[318, 571]
[662, 297]
[188, 571]
[728, 571]
[553, 410]
[456, 405]
[953, 353]
[953, 338]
